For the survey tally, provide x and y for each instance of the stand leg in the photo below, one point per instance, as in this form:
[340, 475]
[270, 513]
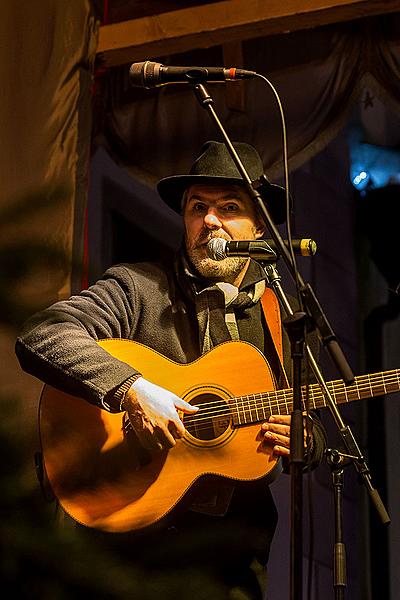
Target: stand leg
[337, 462]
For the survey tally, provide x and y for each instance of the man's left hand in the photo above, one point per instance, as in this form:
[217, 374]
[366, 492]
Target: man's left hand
[277, 434]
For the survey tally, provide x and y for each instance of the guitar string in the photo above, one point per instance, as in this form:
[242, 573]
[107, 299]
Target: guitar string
[336, 387]
[252, 404]
[261, 414]
[271, 401]
[201, 422]
[316, 393]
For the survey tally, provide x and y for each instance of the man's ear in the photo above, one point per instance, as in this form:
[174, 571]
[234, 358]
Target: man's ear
[260, 230]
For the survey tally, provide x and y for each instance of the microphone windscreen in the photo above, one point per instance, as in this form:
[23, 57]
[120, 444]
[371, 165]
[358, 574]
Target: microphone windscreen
[216, 249]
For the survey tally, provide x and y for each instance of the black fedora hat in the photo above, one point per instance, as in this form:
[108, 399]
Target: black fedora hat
[215, 165]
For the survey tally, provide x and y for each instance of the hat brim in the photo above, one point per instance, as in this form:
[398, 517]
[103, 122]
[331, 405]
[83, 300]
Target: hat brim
[171, 190]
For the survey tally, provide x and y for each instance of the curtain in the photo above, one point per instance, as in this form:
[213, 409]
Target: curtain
[46, 62]
[319, 74]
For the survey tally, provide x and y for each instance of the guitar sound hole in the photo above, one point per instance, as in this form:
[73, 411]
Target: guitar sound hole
[211, 420]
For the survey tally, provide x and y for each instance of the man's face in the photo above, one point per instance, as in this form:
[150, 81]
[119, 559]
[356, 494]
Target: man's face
[218, 211]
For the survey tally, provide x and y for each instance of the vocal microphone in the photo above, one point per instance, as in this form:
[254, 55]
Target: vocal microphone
[151, 74]
[218, 248]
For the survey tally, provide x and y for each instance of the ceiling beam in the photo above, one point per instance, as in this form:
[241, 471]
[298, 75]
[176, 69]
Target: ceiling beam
[221, 22]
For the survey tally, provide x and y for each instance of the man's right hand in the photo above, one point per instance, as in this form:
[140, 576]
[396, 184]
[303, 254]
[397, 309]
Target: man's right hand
[152, 411]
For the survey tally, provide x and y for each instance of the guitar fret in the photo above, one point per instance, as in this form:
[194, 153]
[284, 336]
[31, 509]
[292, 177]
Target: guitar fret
[286, 403]
[244, 418]
[260, 407]
[321, 399]
[253, 408]
[322, 402]
[272, 405]
[334, 394]
[237, 411]
[263, 399]
[345, 393]
[337, 391]
[370, 385]
[316, 395]
[246, 409]
[357, 390]
[263, 408]
[278, 411]
[383, 382]
[247, 413]
[311, 396]
[243, 413]
[272, 401]
[379, 389]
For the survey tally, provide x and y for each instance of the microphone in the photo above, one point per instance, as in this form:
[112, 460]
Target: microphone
[151, 74]
[218, 248]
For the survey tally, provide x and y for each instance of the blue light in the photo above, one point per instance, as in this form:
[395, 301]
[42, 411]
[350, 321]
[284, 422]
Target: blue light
[371, 166]
[361, 180]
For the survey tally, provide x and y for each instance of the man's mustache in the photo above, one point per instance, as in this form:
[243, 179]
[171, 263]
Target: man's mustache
[207, 236]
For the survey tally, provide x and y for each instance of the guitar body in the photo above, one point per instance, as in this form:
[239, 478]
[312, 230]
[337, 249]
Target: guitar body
[104, 479]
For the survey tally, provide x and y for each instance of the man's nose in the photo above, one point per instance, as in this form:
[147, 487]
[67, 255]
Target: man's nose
[211, 220]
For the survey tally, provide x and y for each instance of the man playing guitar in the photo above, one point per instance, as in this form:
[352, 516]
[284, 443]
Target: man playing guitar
[184, 392]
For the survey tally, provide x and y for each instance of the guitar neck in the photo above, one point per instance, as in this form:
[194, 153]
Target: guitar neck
[259, 407]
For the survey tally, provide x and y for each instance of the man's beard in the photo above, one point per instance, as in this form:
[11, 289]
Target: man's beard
[219, 270]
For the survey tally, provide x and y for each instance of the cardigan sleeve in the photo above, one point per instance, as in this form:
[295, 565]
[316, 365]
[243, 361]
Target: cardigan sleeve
[58, 345]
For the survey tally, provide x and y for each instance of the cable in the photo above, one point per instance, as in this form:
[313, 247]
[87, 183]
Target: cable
[286, 183]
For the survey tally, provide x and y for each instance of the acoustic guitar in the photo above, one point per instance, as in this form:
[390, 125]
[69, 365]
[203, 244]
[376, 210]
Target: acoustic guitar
[104, 479]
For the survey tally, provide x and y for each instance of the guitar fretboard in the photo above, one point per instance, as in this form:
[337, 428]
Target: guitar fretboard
[259, 407]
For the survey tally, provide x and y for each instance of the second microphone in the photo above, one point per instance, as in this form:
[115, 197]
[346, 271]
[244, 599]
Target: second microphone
[218, 248]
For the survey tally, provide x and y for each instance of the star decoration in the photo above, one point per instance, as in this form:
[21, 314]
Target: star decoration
[368, 100]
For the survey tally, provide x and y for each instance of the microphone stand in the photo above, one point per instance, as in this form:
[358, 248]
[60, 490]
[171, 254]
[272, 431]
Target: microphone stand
[337, 462]
[295, 325]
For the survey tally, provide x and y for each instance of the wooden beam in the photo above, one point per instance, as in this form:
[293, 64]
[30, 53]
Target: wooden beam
[226, 21]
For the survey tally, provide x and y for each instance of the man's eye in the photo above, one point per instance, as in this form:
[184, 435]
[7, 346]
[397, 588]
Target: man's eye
[199, 207]
[231, 207]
